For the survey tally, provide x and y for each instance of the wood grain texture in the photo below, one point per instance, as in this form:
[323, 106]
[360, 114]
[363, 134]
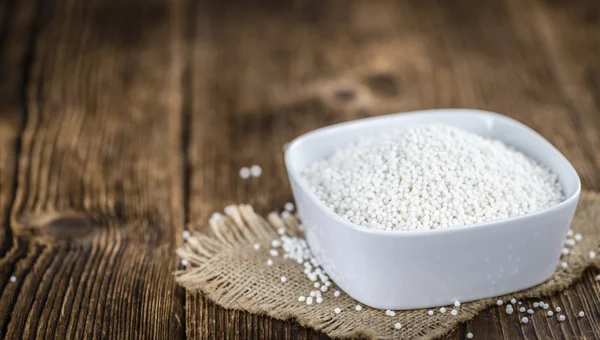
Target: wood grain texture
[16, 31]
[98, 207]
[122, 121]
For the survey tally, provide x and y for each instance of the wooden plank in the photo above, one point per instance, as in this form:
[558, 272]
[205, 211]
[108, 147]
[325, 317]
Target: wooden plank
[16, 31]
[562, 49]
[518, 77]
[98, 208]
[571, 33]
[234, 124]
[264, 73]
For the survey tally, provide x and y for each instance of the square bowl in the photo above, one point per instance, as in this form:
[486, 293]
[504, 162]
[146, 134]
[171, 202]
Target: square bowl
[420, 269]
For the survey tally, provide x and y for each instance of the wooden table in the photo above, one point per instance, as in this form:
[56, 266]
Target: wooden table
[122, 121]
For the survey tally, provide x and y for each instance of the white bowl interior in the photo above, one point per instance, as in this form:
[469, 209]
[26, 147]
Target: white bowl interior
[323, 142]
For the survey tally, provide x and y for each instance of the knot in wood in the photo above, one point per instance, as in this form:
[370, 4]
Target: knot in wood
[66, 225]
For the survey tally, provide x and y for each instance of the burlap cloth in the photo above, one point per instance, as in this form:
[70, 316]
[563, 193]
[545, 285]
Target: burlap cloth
[225, 267]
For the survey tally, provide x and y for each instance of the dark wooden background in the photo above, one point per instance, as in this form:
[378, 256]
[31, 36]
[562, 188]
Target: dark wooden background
[123, 121]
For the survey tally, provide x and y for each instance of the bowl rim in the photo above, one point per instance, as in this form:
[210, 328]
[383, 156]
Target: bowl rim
[301, 183]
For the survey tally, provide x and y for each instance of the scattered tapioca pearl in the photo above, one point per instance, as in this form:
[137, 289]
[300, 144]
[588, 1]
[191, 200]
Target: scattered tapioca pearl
[513, 301]
[550, 313]
[520, 302]
[317, 285]
[228, 210]
[289, 206]
[570, 232]
[328, 283]
[397, 325]
[565, 251]
[256, 246]
[456, 303]
[390, 313]
[216, 216]
[564, 265]
[269, 262]
[581, 314]
[562, 318]
[309, 300]
[313, 293]
[525, 319]
[546, 306]
[530, 311]
[13, 279]
[430, 312]
[469, 335]
[275, 243]
[592, 254]
[301, 298]
[454, 312]
[283, 279]
[337, 310]
[358, 308]
[598, 277]
[509, 309]
[245, 173]
[336, 293]
[570, 242]
[522, 309]
[499, 302]
[536, 305]
[281, 231]
[319, 299]
[273, 252]
[323, 288]
[578, 237]
[558, 309]
[443, 310]
[255, 171]
[185, 234]
[184, 262]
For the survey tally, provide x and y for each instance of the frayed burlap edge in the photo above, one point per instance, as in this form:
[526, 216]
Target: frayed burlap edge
[225, 268]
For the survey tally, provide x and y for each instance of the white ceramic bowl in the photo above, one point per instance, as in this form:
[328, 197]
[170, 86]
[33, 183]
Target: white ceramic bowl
[419, 269]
